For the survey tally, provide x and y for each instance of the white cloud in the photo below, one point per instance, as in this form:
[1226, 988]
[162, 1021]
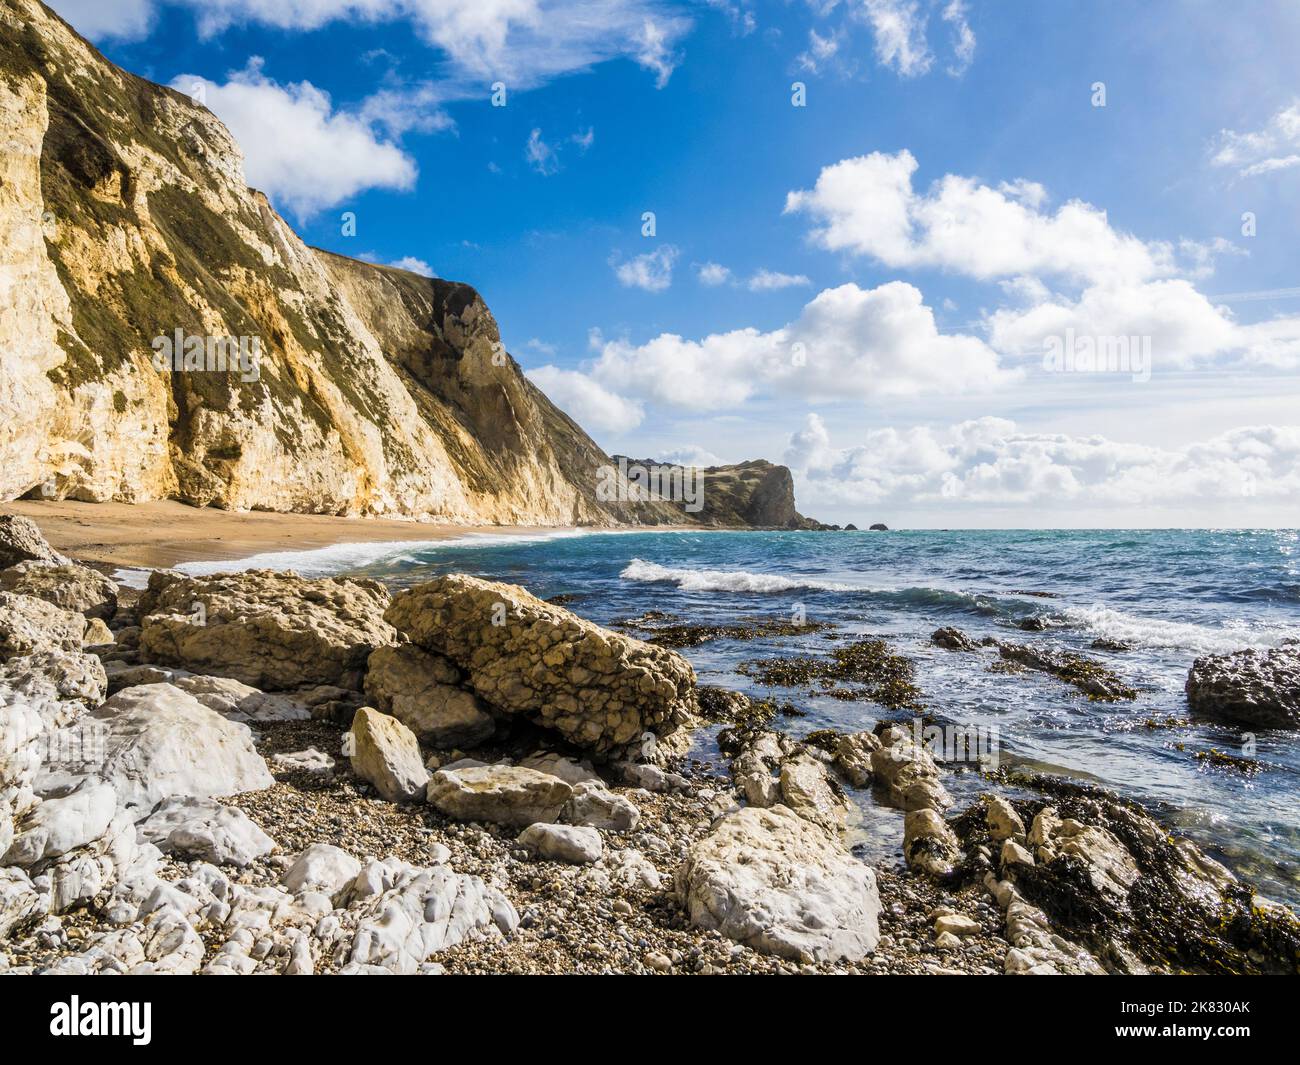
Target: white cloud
[712, 274]
[584, 139]
[540, 155]
[298, 148]
[1275, 147]
[867, 205]
[990, 461]
[689, 455]
[847, 344]
[771, 280]
[899, 27]
[822, 49]
[652, 271]
[414, 265]
[585, 401]
[963, 37]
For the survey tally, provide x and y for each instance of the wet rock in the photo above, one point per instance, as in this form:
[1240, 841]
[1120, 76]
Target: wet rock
[1002, 819]
[1254, 688]
[953, 640]
[1092, 678]
[74, 588]
[420, 690]
[906, 772]
[753, 767]
[205, 829]
[853, 756]
[807, 791]
[601, 690]
[780, 885]
[273, 631]
[386, 753]
[501, 794]
[563, 843]
[929, 844]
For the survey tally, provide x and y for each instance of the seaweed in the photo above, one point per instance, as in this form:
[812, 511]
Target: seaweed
[883, 677]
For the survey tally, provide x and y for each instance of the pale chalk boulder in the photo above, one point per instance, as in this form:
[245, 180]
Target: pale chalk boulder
[237, 701]
[56, 826]
[321, 867]
[385, 752]
[595, 806]
[563, 843]
[781, 885]
[205, 829]
[501, 794]
[807, 791]
[60, 685]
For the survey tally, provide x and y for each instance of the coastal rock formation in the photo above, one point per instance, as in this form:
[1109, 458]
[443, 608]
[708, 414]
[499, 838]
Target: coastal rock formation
[29, 626]
[273, 631]
[1253, 688]
[421, 690]
[205, 829]
[599, 689]
[76, 588]
[21, 541]
[781, 885]
[322, 384]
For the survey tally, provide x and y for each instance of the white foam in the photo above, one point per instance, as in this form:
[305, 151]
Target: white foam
[721, 580]
[1232, 635]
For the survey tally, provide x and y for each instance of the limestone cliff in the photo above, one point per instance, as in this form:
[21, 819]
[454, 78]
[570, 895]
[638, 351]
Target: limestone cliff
[374, 391]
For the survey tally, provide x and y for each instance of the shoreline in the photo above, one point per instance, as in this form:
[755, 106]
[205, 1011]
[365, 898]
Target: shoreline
[165, 533]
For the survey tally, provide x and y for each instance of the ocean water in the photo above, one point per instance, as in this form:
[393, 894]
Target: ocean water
[1171, 595]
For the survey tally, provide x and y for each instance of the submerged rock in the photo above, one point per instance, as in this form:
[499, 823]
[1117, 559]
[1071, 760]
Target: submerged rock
[1091, 678]
[1254, 688]
[274, 631]
[599, 689]
[780, 885]
[953, 640]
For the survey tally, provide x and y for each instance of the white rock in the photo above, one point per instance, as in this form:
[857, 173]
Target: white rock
[502, 794]
[307, 761]
[204, 828]
[237, 701]
[564, 843]
[321, 867]
[57, 826]
[386, 753]
[596, 806]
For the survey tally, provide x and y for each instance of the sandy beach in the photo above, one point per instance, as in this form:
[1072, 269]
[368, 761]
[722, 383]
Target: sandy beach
[165, 533]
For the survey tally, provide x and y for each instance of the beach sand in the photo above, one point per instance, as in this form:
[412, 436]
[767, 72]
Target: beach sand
[161, 534]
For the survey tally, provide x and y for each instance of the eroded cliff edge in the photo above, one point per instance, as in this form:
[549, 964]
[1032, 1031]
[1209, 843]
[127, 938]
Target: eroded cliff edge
[377, 391]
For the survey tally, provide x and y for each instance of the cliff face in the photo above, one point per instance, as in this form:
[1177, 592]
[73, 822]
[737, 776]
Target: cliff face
[373, 391]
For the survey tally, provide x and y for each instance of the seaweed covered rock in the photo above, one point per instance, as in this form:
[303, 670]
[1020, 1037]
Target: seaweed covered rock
[780, 885]
[79, 589]
[1092, 678]
[953, 640]
[1254, 688]
[599, 689]
[274, 631]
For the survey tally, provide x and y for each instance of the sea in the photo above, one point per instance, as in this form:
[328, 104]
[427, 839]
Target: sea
[1168, 596]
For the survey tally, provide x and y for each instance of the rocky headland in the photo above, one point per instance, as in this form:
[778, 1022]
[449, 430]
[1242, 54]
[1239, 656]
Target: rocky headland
[261, 773]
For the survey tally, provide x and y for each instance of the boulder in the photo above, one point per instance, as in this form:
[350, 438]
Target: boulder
[907, 773]
[601, 690]
[321, 867]
[557, 765]
[563, 843]
[273, 631]
[97, 634]
[1002, 820]
[420, 690]
[386, 753]
[853, 754]
[780, 885]
[501, 794]
[206, 830]
[159, 742]
[79, 589]
[60, 685]
[21, 541]
[306, 761]
[929, 844]
[56, 826]
[953, 640]
[1251, 688]
[753, 766]
[806, 789]
[29, 625]
[596, 806]
[237, 701]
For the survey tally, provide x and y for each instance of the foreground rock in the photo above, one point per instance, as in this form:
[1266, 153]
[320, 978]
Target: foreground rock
[1258, 689]
[385, 752]
[273, 631]
[421, 690]
[79, 589]
[159, 742]
[780, 885]
[906, 772]
[205, 829]
[21, 541]
[501, 794]
[599, 689]
[563, 843]
[29, 625]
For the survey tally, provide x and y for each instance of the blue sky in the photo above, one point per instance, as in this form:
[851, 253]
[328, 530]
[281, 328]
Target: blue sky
[865, 287]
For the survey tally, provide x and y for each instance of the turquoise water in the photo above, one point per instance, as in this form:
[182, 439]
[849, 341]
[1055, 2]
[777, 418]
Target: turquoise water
[1171, 595]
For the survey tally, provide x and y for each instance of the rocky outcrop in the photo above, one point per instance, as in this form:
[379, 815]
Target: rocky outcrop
[76, 588]
[780, 885]
[21, 541]
[599, 689]
[1252, 688]
[273, 631]
[422, 691]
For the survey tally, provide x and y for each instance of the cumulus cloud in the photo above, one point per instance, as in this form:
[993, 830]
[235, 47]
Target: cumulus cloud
[712, 274]
[299, 149]
[414, 265]
[1264, 151]
[585, 401]
[652, 271]
[990, 461]
[689, 455]
[848, 343]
